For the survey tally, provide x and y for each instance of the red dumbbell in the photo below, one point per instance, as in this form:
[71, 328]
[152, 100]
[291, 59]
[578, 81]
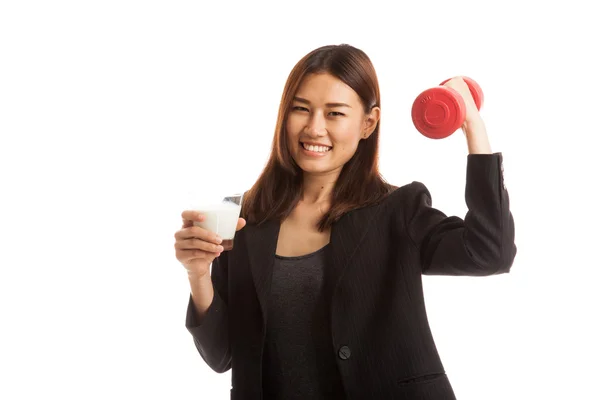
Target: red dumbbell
[439, 112]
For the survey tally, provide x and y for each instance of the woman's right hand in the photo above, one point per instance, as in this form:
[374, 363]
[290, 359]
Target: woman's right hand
[195, 247]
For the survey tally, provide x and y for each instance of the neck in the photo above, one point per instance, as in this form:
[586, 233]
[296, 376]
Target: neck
[318, 188]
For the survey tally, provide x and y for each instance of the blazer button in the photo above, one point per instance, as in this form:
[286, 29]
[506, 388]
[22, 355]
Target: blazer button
[344, 352]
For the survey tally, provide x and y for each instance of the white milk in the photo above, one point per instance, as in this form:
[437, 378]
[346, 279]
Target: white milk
[220, 218]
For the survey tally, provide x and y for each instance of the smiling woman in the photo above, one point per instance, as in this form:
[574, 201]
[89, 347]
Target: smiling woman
[321, 297]
[331, 99]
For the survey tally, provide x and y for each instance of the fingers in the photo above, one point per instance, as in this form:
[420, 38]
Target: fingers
[188, 218]
[456, 81]
[459, 84]
[197, 244]
[241, 223]
[194, 242]
[197, 232]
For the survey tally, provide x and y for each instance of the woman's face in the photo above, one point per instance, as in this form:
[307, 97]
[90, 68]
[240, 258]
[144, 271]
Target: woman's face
[325, 124]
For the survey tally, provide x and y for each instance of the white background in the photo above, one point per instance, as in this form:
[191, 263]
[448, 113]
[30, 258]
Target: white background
[111, 110]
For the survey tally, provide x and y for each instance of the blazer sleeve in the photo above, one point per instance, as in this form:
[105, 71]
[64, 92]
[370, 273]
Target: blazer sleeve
[480, 244]
[211, 334]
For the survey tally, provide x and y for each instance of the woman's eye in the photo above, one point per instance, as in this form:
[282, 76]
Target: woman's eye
[304, 109]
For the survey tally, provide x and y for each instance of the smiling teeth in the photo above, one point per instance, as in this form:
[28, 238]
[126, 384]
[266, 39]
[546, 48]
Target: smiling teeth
[317, 149]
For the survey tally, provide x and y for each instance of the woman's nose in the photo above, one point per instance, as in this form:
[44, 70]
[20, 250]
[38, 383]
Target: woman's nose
[316, 125]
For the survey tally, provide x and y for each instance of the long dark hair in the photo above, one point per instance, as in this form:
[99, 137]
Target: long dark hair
[279, 187]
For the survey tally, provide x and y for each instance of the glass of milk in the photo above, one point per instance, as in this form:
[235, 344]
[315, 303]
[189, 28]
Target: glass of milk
[221, 214]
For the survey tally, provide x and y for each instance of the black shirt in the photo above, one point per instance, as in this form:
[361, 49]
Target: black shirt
[299, 359]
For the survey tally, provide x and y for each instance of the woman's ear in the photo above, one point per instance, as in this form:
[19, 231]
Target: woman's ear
[371, 121]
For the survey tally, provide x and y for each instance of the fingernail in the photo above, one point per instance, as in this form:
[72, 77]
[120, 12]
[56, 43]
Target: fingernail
[218, 238]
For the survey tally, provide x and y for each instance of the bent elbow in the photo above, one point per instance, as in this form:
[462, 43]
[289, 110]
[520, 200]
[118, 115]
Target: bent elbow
[492, 262]
[509, 258]
[223, 366]
[505, 262]
[219, 365]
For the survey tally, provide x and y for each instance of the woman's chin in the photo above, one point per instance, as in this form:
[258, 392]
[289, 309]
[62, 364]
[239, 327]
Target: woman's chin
[313, 168]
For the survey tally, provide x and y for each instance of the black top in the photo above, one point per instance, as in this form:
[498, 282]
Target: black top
[299, 359]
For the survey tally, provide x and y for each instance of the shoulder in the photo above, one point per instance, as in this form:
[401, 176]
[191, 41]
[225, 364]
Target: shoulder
[402, 198]
[401, 204]
[409, 190]
[407, 200]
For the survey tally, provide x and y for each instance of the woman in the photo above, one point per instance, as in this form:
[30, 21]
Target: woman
[321, 297]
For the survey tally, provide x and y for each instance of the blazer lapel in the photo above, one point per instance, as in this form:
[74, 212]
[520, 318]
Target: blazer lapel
[346, 236]
[262, 245]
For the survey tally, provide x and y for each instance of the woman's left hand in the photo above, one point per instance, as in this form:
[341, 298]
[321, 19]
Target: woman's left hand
[473, 127]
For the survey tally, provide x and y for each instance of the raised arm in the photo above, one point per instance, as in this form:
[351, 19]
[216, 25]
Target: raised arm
[480, 244]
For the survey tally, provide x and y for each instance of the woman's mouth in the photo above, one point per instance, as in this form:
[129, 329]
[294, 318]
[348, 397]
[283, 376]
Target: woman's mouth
[315, 150]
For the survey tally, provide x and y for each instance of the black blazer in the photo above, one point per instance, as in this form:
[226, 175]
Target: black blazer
[382, 340]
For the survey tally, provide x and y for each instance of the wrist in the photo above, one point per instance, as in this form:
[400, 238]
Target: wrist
[202, 293]
[199, 275]
[473, 123]
[196, 278]
[477, 138]
[201, 288]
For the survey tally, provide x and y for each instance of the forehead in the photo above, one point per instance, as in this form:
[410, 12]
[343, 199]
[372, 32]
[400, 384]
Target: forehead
[325, 88]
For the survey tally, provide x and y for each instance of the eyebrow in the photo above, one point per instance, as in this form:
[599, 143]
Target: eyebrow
[301, 100]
